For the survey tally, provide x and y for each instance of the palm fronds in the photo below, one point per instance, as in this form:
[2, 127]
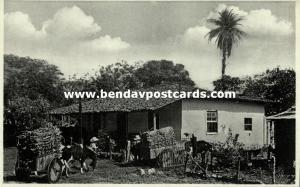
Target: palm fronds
[227, 32]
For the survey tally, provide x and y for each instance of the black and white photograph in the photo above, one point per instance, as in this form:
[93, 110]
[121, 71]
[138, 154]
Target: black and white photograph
[149, 92]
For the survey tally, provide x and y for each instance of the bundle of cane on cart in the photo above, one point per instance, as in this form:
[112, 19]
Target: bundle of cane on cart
[38, 153]
[161, 145]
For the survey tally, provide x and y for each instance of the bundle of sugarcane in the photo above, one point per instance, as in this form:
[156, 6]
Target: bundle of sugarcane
[39, 142]
[158, 138]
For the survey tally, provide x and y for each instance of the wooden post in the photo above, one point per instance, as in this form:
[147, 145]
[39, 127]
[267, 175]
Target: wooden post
[274, 170]
[194, 142]
[126, 125]
[110, 148]
[80, 120]
[128, 151]
[206, 160]
[238, 168]
[154, 121]
[261, 173]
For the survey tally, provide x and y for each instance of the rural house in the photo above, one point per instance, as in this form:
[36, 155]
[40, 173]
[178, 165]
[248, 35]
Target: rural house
[208, 119]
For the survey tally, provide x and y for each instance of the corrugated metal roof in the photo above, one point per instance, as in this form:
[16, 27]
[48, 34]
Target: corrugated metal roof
[136, 104]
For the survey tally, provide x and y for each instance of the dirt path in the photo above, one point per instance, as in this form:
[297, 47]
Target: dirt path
[113, 172]
[106, 172]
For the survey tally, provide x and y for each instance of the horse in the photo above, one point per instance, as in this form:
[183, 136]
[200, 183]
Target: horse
[79, 153]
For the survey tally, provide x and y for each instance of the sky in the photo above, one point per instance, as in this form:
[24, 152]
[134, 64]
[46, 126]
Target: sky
[79, 37]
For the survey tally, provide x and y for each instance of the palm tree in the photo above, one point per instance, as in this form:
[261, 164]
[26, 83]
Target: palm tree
[226, 33]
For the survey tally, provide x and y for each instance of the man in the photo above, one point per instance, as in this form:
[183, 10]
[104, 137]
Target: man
[93, 144]
[136, 146]
[93, 147]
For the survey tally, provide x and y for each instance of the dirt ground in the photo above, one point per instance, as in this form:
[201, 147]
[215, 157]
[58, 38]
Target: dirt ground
[113, 172]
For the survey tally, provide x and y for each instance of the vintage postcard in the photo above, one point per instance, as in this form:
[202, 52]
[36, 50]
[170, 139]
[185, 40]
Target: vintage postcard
[149, 92]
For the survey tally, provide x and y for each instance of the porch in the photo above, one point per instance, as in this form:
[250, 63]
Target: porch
[120, 125]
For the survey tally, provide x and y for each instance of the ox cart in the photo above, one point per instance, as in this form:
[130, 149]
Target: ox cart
[47, 165]
[161, 146]
[38, 154]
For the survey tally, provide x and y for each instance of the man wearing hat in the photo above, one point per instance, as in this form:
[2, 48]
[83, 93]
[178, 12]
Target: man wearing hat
[93, 144]
[136, 144]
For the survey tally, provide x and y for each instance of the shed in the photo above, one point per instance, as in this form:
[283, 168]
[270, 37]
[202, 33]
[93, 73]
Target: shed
[282, 135]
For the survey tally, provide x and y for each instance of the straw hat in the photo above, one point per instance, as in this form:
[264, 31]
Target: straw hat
[137, 137]
[94, 139]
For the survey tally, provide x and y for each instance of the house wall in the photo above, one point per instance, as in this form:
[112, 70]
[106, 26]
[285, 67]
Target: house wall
[86, 124]
[110, 121]
[170, 115]
[231, 116]
[137, 122]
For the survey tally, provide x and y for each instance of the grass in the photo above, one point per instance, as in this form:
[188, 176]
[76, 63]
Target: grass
[113, 172]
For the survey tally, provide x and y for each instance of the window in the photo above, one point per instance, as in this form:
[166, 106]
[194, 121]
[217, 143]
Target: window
[212, 121]
[248, 124]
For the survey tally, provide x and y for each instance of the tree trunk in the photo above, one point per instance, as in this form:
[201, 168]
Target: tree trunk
[223, 63]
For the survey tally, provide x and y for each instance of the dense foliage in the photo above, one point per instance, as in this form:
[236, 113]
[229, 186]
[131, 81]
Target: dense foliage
[156, 72]
[228, 83]
[227, 152]
[33, 86]
[27, 114]
[118, 76]
[278, 85]
[32, 78]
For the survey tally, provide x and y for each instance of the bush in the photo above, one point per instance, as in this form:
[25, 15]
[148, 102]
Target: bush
[227, 153]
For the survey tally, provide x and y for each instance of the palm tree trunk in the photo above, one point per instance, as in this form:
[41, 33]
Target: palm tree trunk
[223, 63]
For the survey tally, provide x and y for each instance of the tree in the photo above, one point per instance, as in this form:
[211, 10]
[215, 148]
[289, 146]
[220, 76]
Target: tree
[32, 78]
[31, 88]
[226, 33]
[278, 85]
[118, 76]
[155, 72]
[228, 83]
[123, 76]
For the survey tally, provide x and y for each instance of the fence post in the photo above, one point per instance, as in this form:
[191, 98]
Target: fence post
[194, 142]
[238, 168]
[110, 148]
[128, 145]
[261, 173]
[274, 170]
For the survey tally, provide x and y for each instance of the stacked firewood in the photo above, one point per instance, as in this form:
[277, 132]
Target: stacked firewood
[158, 138]
[39, 142]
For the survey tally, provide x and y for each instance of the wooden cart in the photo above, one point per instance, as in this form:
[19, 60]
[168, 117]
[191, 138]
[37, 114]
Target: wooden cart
[46, 165]
[165, 156]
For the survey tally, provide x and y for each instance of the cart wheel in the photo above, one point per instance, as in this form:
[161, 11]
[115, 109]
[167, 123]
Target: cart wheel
[54, 171]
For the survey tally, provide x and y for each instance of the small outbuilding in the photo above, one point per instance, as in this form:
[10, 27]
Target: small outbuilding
[281, 134]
